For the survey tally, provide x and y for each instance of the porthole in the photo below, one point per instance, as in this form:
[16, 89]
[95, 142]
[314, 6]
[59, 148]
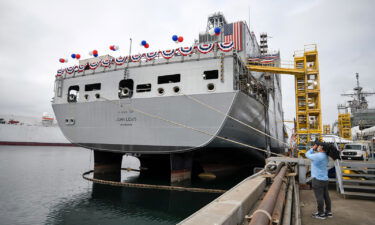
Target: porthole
[176, 89]
[97, 95]
[161, 91]
[87, 97]
[211, 87]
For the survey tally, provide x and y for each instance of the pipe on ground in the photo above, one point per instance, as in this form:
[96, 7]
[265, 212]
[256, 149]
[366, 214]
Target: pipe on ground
[278, 210]
[262, 214]
[288, 205]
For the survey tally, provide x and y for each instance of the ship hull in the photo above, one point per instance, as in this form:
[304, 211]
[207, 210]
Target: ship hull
[165, 125]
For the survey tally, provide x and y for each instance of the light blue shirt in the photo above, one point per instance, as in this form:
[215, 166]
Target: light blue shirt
[319, 164]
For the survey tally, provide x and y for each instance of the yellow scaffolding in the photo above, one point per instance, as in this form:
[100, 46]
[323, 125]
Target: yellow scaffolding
[326, 129]
[307, 92]
[344, 126]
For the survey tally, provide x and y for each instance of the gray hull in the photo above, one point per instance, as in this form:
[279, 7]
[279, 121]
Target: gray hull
[113, 125]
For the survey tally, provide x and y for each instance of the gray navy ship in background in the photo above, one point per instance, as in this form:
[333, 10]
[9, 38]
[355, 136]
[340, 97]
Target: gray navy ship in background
[174, 109]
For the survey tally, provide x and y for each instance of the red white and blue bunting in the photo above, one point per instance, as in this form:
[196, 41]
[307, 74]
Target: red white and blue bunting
[151, 55]
[205, 48]
[69, 70]
[81, 68]
[136, 58]
[60, 72]
[105, 63]
[120, 60]
[185, 51]
[226, 46]
[167, 54]
[94, 65]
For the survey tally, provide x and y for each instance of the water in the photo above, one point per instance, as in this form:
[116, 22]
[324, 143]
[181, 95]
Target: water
[43, 185]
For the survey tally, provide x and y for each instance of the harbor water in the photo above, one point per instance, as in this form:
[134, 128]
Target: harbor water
[43, 185]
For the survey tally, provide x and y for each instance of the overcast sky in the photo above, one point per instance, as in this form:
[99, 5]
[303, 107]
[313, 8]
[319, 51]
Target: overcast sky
[35, 34]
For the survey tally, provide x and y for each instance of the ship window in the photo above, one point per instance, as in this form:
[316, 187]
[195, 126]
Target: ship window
[143, 87]
[73, 93]
[125, 89]
[175, 78]
[93, 87]
[210, 74]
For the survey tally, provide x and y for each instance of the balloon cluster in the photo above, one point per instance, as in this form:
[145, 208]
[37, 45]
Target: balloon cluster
[76, 56]
[62, 60]
[215, 31]
[177, 39]
[94, 53]
[145, 44]
[114, 47]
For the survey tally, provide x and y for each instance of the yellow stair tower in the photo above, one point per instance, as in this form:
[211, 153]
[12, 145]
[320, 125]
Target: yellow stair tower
[344, 122]
[326, 129]
[307, 92]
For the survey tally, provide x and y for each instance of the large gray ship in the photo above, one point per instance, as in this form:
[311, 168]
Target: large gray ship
[182, 111]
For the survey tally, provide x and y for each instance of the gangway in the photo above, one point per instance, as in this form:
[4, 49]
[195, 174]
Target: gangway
[307, 92]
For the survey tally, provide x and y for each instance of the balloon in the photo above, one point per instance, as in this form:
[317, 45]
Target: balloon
[147, 45]
[78, 56]
[218, 34]
[111, 47]
[116, 47]
[90, 53]
[211, 32]
[95, 55]
[217, 30]
[143, 43]
[73, 56]
[174, 37]
[61, 60]
[65, 60]
[180, 39]
[95, 52]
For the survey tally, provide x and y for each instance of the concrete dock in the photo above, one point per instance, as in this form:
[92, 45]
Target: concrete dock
[294, 206]
[346, 211]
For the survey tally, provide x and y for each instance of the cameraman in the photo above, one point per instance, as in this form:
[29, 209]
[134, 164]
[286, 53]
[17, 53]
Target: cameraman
[319, 162]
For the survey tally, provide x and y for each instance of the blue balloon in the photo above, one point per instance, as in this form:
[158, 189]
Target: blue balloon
[143, 42]
[96, 55]
[73, 56]
[217, 30]
[174, 37]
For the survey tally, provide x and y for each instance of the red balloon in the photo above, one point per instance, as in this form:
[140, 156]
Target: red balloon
[62, 60]
[180, 39]
[78, 56]
[95, 52]
[217, 34]
[147, 45]
[112, 47]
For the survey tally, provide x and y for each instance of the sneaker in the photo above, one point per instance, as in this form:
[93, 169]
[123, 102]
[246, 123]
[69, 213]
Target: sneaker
[329, 214]
[319, 216]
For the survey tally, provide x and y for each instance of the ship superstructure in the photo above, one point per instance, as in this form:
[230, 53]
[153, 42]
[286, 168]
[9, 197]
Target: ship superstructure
[170, 107]
[361, 115]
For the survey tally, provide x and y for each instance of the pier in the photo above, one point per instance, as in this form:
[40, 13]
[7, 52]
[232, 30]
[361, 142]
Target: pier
[280, 194]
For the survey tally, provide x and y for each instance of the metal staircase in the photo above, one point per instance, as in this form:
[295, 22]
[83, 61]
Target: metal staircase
[355, 178]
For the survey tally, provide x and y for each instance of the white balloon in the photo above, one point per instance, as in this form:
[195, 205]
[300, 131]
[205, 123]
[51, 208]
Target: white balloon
[90, 52]
[212, 32]
[117, 47]
[66, 60]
